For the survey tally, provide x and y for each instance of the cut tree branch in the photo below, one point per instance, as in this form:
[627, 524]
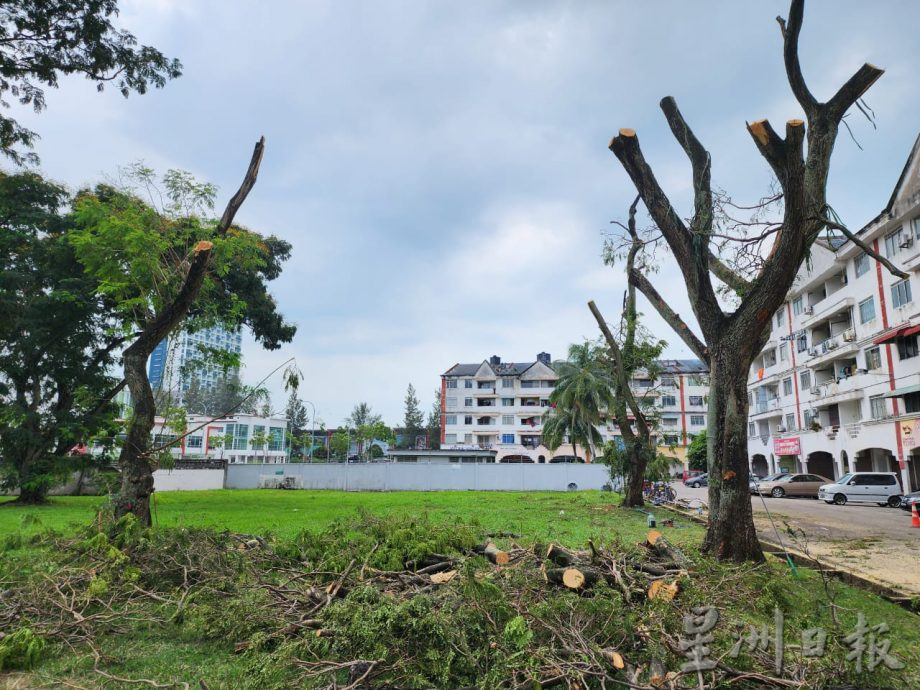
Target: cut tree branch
[853, 90]
[672, 318]
[727, 275]
[791, 33]
[892, 269]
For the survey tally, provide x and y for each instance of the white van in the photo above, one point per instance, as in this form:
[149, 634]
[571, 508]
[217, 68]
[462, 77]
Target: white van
[863, 487]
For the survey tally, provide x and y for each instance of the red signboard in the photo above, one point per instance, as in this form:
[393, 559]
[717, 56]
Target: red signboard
[786, 446]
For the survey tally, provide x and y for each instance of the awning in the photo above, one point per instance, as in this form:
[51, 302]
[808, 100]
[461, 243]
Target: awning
[892, 334]
[901, 392]
[913, 330]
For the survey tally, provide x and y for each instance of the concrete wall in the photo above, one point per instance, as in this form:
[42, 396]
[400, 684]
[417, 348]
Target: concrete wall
[425, 477]
[189, 480]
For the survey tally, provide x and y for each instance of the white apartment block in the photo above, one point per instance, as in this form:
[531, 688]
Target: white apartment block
[501, 406]
[237, 439]
[836, 389]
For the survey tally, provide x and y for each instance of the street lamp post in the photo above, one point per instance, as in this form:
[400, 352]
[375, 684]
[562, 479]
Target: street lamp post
[312, 428]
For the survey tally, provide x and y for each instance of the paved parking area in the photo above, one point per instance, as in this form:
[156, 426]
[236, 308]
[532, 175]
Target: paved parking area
[874, 541]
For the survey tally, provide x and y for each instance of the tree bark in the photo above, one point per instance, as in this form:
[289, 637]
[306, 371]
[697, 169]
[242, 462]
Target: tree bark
[636, 462]
[731, 534]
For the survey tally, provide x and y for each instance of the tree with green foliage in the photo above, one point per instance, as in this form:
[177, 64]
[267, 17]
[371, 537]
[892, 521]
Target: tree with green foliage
[340, 444]
[225, 396]
[433, 423]
[374, 430]
[362, 415]
[296, 413]
[170, 267]
[580, 400]
[413, 418]
[697, 452]
[42, 40]
[56, 342]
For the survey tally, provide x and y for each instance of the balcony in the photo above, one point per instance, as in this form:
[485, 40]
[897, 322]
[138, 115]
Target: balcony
[484, 392]
[837, 391]
[841, 346]
[768, 408]
[825, 313]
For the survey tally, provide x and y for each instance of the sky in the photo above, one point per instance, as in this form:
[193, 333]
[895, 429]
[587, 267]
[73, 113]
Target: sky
[441, 168]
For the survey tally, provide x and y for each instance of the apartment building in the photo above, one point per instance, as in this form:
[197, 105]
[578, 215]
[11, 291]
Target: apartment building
[837, 387]
[184, 356]
[501, 406]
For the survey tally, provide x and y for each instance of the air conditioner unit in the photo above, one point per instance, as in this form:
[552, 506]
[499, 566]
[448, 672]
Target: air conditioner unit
[849, 336]
[780, 429]
[813, 352]
[832, 345]
[816, 391]
[808, 310]
[906, 243]
[862, 371]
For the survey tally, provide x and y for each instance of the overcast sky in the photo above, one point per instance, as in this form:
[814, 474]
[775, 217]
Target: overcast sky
[441, 168]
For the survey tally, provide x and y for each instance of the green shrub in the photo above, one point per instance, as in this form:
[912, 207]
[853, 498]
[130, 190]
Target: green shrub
[20, 649]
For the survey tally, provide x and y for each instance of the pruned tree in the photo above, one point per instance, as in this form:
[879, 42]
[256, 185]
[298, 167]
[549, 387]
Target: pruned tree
[163, 266]
[632, 352]
[731, 339]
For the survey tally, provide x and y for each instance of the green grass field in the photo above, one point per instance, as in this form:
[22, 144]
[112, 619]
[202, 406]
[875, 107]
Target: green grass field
[571, 518]
[178, 652]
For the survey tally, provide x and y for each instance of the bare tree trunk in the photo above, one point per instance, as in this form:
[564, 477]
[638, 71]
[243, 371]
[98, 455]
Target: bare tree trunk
[731, 534]
[637, 457]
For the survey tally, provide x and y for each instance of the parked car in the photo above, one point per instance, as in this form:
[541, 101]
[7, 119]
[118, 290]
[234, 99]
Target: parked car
[909, 499]
[697, 481]
[755, 480]
[793, 485]
[863, 487]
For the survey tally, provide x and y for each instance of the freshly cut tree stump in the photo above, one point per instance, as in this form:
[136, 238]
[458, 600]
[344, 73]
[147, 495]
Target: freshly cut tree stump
[560, 556]
[659, 589]
[614, 657]
[572, 578]
[665, 549]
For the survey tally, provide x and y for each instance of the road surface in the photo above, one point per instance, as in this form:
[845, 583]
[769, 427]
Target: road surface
[874, 541]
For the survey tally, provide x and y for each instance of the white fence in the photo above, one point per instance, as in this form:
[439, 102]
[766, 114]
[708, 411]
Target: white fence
[188, 480]
[424, 477]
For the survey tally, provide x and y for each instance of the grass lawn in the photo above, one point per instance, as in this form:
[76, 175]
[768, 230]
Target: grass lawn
[200, 643]
[570, 518]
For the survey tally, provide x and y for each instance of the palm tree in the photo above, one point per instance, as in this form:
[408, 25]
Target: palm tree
[583, 394]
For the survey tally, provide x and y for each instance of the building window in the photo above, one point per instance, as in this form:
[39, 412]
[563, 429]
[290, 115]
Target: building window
[467, 402]
[468, 420]
[861, 264]
[276, 438]
[257, 430]
[669, 421]
[468, 439]
[451, 383]
[450, 438]
[696, 400]
[801, 342]
[507, 438]
[805, 380]
[215, 439]
[783, 352]
[873, 358]
[907, 347]
[668, 382]
[808, 418]
[751, 429]
[507, 419]
[485, 385]
[193, 442]
[867, 310]
[668, 401]
[915, 224]
[507, 402]
[237, 436]
[670, 440]
[450, 419]
[507, 383]
[893, 242]
[644, 383]
[467, 383]
[451, 403]
[780, 316]
[787, 386]
[769, 358]
[797, 305]
[697, 420]
[900, 293]
[912, 402]
[878, 407]
[790, 422]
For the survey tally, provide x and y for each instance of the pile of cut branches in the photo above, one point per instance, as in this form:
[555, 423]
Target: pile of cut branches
[392, 603]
